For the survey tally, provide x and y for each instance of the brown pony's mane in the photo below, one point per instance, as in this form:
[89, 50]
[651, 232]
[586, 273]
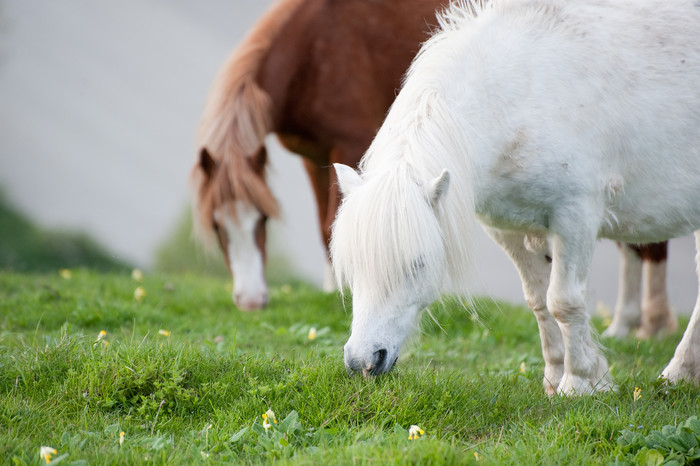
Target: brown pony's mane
[236, 118]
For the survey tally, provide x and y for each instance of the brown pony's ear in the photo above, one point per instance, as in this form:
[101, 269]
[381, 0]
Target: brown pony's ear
[207, 162]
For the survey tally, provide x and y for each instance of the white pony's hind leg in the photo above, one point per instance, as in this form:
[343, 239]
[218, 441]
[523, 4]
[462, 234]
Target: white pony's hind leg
[534, 269]
[685, 364]
[585, 367]
[629, 294]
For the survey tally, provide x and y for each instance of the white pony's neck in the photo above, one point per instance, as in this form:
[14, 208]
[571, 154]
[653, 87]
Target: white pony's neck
[384, 225]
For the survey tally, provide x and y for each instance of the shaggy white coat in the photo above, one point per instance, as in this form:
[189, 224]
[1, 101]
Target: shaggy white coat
[559, 122]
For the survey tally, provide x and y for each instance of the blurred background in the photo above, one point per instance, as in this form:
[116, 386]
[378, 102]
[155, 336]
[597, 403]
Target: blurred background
[99, 102]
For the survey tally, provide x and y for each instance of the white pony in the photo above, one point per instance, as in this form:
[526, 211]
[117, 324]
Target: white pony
[554, 123]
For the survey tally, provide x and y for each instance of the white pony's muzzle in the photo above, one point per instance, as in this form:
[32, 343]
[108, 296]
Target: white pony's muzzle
[371, 362]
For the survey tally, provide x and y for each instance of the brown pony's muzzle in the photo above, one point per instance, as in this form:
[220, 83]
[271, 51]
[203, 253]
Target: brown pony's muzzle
[250, 303]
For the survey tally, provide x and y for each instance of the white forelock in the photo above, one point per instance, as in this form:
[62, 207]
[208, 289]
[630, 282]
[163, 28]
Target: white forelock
[388, 223]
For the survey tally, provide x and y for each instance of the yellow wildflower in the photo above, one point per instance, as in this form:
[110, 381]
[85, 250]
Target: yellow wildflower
[65, 274]
[165, 333]
[522, 367]
[46, 453]
[101, 338]
[637, 394]
[312, 333]
[137, 275]
[270, 414]
[139, 293]
[476, 456]
[121, 438]
[414, 432]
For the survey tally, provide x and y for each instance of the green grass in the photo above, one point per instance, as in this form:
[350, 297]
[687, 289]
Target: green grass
[197, 395]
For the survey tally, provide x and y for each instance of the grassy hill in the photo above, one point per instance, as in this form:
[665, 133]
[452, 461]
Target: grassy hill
[25, 247]
[187, 378]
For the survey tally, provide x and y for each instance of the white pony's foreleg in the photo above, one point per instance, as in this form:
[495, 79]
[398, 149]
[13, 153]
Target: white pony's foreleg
[585, 367]
[534, 269]
[685, 364]
[629, 301]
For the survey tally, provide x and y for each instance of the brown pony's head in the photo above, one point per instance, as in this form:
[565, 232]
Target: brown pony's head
[232, 204]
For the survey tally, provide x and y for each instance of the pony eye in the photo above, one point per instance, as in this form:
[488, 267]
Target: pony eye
[418, 264]
[215, 226]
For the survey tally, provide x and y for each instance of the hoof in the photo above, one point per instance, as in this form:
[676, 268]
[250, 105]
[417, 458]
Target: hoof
[573, 385]
[553, 374]
[677, 372]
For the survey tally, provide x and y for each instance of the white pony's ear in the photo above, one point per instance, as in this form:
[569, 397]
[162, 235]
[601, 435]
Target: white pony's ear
[438, 188]
[348, 179]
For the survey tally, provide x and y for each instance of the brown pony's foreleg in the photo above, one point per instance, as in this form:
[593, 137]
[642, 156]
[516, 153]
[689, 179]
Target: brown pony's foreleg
[324, 189]
[320, 185]
[642, 302]
[657, 317]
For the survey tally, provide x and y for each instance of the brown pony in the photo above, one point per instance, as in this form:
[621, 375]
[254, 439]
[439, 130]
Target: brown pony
[321, 75]
[642, 301]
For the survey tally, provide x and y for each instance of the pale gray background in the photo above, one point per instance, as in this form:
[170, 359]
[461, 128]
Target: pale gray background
[98, 105]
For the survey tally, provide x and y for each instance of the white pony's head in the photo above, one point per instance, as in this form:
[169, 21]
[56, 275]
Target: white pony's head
[388, 248]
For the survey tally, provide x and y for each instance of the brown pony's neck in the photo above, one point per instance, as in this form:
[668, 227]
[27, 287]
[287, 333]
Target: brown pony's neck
[335, 67]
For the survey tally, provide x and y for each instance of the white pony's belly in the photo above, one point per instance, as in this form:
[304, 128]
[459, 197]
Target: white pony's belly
[646, 230]
[651, 221]
[507, 210]
[643, 213]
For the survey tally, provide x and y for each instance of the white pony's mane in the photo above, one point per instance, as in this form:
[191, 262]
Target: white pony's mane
[387, 228]
[458, 12]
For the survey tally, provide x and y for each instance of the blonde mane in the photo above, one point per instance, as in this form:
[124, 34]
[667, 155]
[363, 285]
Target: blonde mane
[236, 118]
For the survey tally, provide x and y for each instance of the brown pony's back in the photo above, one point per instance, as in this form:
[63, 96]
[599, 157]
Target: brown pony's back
[336, 66]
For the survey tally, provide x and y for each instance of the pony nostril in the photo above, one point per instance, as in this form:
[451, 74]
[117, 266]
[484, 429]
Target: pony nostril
[379, 359]
[248, 303]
